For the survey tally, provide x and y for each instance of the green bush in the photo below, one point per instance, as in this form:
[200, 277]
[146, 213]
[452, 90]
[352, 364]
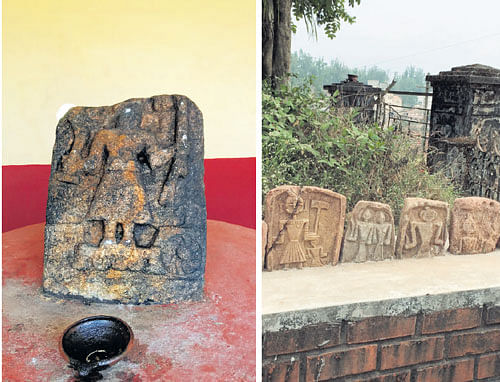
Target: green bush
[307, 141]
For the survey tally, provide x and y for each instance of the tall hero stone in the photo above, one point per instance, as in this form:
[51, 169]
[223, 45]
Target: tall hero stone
[305, 227]
[126, 213]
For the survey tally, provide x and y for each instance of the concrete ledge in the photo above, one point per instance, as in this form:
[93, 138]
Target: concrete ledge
[295, 298]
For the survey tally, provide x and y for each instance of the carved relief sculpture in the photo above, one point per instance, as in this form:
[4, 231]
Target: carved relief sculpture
[305, 227]
[370, 233]
[464, 133]
[475, 225]
[126, 215]
[264, 242]
[422, 228]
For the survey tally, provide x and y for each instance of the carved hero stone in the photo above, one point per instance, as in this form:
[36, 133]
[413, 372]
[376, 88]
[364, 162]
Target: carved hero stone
[370, 233]
[422, 228]
[475, 225]
[305, 227]
[126, 214]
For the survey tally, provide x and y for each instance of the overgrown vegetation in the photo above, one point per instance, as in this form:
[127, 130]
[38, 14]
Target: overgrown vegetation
[307, 142]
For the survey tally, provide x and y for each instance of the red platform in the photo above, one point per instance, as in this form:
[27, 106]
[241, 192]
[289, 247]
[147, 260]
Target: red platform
[212, 340]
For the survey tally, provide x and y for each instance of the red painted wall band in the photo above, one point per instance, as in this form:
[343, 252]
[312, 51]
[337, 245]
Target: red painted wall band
[229, 189]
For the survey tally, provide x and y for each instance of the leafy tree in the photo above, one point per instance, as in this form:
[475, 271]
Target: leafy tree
[277, 28]
[412, 79]
[304, 67]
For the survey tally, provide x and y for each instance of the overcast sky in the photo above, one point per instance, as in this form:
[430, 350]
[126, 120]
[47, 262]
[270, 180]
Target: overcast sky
[434, 35]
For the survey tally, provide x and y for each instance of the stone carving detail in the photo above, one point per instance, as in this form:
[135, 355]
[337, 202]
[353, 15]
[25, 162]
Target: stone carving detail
[422, 228]
[264, 242]
[305, 227]
[370, 234]
[126, 215]
[475, 225]
[464, 138]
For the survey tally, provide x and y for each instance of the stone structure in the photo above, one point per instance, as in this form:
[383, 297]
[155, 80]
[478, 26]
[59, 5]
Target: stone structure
[305, 227]
[464, 135]
[370, 234]
[352, 93]
[475, 225]
[264, 242]
[126, 215]
[422, 228]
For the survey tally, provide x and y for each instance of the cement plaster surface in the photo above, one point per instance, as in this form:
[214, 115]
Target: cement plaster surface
[293, 298]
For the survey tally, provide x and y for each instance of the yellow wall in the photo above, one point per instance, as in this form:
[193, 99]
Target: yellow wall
[100, 52]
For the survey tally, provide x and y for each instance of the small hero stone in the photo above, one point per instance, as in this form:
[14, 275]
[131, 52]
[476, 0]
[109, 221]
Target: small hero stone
[370, 233]
[126, 213]
[422, 228]
[475, 225]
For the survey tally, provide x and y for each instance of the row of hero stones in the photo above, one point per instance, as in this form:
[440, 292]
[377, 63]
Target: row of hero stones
[304, 227]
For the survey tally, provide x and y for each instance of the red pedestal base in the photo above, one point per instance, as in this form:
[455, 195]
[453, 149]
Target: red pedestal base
[212, 340]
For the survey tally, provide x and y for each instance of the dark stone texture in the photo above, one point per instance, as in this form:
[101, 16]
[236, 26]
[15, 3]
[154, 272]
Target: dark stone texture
[126, 213]
[464, 138]
[352, 93]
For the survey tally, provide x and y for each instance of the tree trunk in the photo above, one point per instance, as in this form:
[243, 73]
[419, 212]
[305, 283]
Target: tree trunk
[282, 41]
[267, 39]
[276, 40]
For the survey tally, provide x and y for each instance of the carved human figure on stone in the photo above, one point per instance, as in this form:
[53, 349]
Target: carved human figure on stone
[383, 237]
[295, 230]
[370, 233]
[119, 198]
[469, 241]
[70, 164]
[305, 226]
[428, 230]
[363, 233]
[126, 212]
[475, 225]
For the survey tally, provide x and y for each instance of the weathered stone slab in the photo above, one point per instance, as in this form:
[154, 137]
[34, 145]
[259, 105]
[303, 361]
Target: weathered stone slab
[370, 234]
[264, 242]
[422, 228]
[475, 225]
[126, 214]
[305, 227]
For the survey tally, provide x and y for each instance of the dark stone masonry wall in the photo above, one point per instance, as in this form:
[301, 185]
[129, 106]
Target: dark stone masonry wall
[464, 137]
[461, 344]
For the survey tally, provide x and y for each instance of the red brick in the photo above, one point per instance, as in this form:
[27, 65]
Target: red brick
[340, 363]
[402, 376]
[283, 371]
[493, 315]
[297, 340]
[474, 343]
[380, 328]
[461, 371]
[411, 352]
[454, 319]
[488, 366]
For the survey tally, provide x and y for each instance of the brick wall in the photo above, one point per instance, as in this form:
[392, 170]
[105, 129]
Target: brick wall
[453, 345]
